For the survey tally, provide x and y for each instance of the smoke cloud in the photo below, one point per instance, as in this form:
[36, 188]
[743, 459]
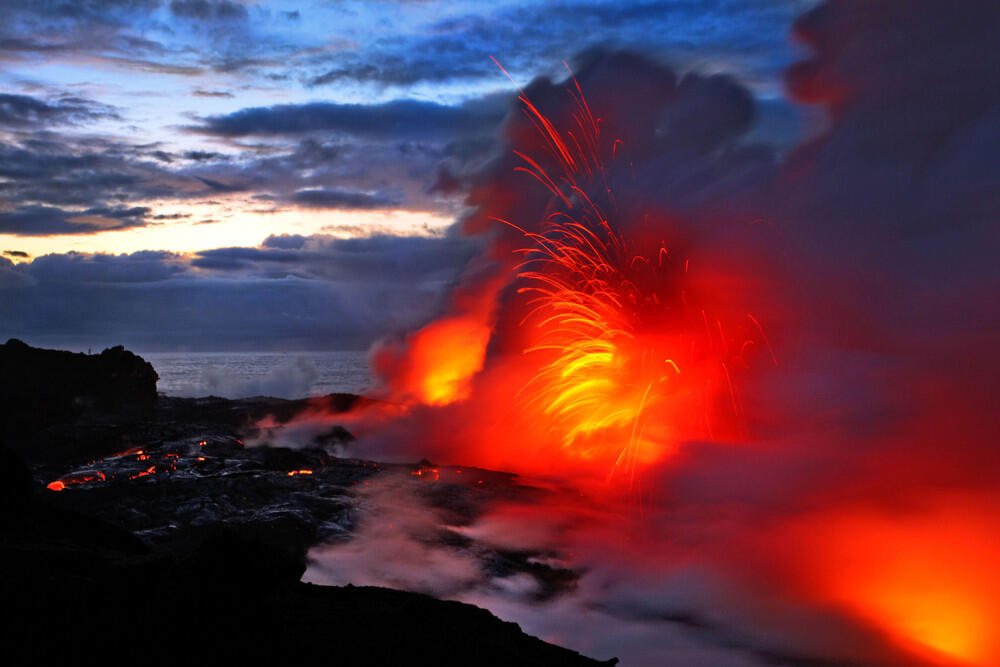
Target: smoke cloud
[847, 520]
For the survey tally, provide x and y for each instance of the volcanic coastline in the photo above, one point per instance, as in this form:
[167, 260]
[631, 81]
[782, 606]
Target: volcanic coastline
[137, 526]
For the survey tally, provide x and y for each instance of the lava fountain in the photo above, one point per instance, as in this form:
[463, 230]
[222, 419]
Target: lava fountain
[842, 511]
[613, 352]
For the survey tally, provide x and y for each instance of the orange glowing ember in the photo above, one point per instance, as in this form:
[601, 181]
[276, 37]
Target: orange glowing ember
[151, 470]
[76, 479]
[305, 471]
[431, 474]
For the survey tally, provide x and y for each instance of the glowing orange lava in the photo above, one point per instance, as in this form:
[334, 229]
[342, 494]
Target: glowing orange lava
[611, 320]
[304, 471]
[151, 470]
[445, 368]
[930, 579]
[76, 479]
[608, 350]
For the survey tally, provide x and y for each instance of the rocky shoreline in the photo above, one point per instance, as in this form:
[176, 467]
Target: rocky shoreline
[141, 527]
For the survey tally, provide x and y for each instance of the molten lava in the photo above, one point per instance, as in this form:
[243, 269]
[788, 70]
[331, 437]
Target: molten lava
[76, 479]
[618, 356]
[443, 368]
[928, 578]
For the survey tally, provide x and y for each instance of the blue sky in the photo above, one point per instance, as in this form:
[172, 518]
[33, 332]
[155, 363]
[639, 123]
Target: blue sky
[187, 126]
[143, 73]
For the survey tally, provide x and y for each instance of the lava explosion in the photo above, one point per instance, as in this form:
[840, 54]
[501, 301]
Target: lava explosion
[840, 511]
[618, 356]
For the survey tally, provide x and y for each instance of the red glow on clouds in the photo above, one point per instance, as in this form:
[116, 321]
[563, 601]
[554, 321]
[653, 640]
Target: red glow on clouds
[927, 577]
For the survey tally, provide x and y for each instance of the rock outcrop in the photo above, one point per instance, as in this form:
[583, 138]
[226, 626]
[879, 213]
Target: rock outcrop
[43, 391]
[163, 538]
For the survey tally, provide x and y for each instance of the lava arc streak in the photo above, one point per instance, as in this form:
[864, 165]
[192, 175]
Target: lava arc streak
[601, 344]
[614, 331]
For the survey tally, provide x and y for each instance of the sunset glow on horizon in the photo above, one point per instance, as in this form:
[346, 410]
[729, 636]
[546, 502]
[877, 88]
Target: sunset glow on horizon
[236, 226]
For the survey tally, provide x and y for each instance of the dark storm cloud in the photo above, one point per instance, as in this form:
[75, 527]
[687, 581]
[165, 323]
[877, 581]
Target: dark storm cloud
[291, 293]
[48, 220]
[20, 111]
[212, 93]
[76, 268]
[208, 10]
[134, 35]
[375, 259]
[285, 241]
[336, 156]
[51, 170]
[16, 253]
[59, 28]
[400, 119]
[343, 199]
[203, 156]
[404, 70]
[314, 171]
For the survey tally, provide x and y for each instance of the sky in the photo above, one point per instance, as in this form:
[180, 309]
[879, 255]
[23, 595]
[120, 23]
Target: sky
[178, 174]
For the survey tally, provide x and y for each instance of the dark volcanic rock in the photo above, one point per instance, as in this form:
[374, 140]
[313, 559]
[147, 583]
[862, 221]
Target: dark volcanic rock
[54, 384]
[71, 584]
[56, 403]
[62, 409]
[163, 537]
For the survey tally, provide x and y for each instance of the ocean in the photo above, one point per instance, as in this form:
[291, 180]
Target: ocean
[245, 374]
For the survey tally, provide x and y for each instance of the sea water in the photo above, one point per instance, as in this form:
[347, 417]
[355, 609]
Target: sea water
[245, 374]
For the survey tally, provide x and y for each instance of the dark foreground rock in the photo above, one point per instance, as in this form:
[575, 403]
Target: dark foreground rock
[76, 587]
[163, 538]
[38, 386]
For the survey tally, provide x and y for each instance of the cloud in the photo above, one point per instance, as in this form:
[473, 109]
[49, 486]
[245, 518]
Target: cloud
[326, 155]
[871, 254]
[11, 276]
[212, 93]
[308, 293]
[47, 170]
[342, 199]
[55, 170]
[23, 111]
[285, 241]
[52, 28]
[399, 119]
[48, 220]
[208, 10]
[536, 37]
[375, 259]
[77, 268]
